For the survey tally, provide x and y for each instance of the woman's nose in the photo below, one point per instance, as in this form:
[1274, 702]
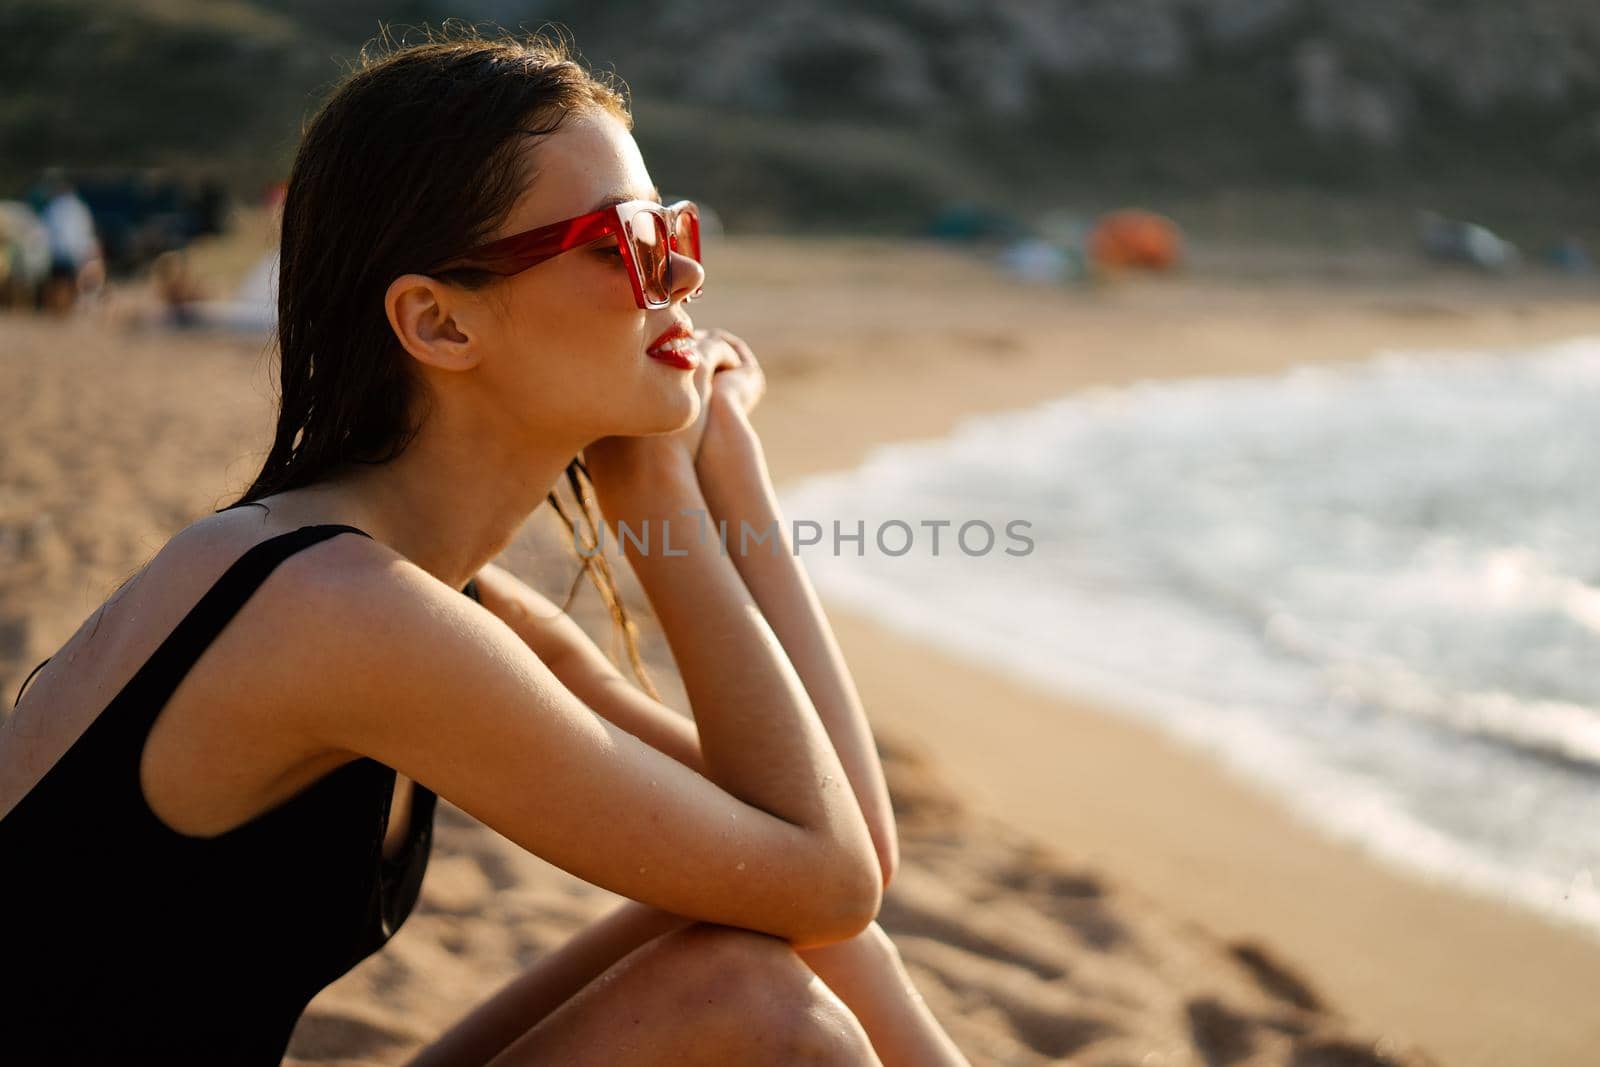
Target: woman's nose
[687, 276]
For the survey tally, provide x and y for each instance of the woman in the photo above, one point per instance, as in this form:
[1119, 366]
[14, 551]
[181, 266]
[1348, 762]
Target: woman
[293, 680]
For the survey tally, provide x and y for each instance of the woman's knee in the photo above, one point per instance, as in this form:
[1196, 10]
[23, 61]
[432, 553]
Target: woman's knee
[759, 989]
[753, 972]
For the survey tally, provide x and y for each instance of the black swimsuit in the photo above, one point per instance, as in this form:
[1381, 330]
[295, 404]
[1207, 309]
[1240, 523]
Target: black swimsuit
[125, 941]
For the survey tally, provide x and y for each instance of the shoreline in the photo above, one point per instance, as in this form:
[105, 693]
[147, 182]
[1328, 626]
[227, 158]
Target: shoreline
[1472, 979]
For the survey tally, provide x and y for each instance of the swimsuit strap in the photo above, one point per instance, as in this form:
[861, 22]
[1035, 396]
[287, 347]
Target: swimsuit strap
[108, 752]
[470, 589]
[153, 684]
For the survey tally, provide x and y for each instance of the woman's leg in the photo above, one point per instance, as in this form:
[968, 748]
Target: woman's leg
[698, 995]
[551, 981]
[864, 972]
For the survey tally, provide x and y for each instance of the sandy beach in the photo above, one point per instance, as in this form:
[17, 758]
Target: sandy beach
[1076, 887]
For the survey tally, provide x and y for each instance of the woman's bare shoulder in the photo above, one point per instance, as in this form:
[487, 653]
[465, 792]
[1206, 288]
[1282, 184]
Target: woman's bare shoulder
[264, 644]
[236, 687]
[211, 544]
[339, 580]
[151, 600]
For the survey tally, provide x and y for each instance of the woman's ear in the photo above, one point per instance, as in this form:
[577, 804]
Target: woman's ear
[426, 316]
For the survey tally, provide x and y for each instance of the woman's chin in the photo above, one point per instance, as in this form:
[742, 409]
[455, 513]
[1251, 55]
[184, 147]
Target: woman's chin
[682, 403]
[667, 414]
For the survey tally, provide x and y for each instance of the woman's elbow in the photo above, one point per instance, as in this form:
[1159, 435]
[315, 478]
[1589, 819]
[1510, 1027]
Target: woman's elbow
[848, 906]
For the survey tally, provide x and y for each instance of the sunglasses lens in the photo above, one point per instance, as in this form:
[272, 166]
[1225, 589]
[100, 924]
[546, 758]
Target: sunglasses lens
[647, 231]
[686, 236]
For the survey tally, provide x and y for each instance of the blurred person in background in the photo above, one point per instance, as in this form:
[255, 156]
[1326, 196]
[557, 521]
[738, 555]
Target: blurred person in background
[24, 254]
[177, 288]
[76, 265]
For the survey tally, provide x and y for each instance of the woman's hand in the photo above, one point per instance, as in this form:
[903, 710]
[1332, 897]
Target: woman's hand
[620, 465]
[731, 467]
[742, 383]
[735, 391]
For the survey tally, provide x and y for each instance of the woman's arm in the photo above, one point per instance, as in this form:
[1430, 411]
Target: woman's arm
[726, 649]
[387, 662]
[572, 657]
[738, 489]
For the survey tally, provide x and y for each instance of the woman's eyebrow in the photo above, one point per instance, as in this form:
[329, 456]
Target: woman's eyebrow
[622, 198]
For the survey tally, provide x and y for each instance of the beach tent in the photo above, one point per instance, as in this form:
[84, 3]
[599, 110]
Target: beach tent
[1132, 238]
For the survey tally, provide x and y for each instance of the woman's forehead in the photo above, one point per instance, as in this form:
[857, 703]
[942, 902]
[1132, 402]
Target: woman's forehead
[570, 172]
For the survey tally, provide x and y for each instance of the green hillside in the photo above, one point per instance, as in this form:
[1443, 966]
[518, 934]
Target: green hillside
[824, 113]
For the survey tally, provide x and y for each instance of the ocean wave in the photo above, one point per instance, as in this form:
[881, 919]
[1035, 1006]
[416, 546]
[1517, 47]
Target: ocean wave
[1373, 587]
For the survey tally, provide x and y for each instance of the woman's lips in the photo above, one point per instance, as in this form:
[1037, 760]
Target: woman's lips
[677, 348]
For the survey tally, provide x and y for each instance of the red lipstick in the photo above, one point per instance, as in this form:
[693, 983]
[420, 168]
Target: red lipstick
[676, 347]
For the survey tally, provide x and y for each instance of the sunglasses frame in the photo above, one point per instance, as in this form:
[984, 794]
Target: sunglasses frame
[521, 251]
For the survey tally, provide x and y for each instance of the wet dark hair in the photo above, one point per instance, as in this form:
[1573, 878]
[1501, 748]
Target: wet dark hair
[417, 155]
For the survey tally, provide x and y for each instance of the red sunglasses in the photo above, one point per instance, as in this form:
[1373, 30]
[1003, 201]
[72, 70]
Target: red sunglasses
[647, 234]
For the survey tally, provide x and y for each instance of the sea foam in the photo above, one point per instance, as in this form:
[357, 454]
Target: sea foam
[1372, 587]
